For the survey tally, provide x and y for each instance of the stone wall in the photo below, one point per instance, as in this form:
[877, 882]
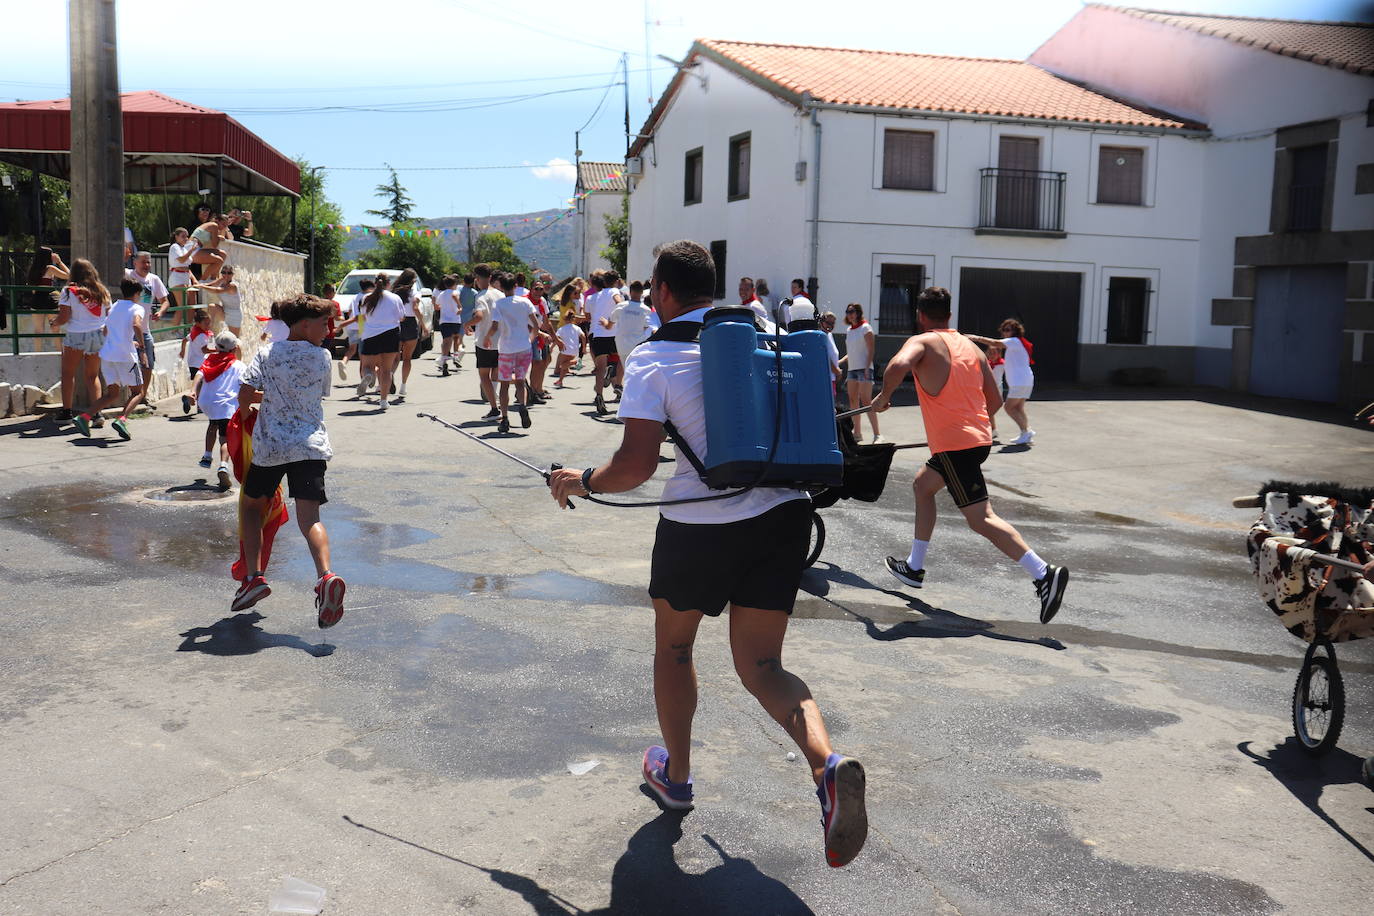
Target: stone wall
[263, 275]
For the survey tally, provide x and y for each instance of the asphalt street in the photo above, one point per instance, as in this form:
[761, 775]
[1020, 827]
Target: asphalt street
[1136, 756]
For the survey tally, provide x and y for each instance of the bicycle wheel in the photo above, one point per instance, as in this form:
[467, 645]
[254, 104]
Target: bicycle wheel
[1318, 701]
[817, 539]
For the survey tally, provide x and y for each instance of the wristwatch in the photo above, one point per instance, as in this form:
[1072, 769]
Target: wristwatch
[587, 480]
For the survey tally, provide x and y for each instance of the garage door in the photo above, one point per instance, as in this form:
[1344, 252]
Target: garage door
[1045, 301]
[1296, 348]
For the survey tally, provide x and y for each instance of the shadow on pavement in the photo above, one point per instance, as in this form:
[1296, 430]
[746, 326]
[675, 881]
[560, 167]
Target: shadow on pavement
[647, 879]
[240, 635]
[1307, 777]
[38, 428]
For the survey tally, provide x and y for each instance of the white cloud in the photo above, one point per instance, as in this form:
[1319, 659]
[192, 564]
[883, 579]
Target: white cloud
[557, 169]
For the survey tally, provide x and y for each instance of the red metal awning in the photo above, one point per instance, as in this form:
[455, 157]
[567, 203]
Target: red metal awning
[169, 146]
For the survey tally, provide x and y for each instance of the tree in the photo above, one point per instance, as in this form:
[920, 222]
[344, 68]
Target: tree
[496, 249]
[617, 249]
[423, 253]
[399, 206]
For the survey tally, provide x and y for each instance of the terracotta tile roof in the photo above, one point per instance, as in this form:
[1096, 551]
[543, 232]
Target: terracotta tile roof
[601, 176]
[926, 82]
[1342, 45]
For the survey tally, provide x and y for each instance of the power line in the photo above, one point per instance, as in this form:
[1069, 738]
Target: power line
[431, 105]
[524, 25]
[604, 96]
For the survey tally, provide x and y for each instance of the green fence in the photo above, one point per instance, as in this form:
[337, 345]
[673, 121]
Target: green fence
[28, 309]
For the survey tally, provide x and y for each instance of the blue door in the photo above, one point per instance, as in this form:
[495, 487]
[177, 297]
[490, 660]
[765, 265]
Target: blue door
[1296, 347]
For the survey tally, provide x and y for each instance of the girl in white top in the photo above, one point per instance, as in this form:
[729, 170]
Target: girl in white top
[229, 311]
[1020, 377]
[179, 277]
[858, 347]
[381, 312]
[81, 312]
[570, 340]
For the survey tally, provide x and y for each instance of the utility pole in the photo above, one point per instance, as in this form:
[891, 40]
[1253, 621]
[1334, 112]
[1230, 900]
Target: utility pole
[625, 74]
[581, 267]
[97, 127]
[469, 237]
[314, 195]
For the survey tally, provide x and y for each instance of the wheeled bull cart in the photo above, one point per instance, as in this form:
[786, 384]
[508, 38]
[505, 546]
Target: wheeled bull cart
[1308, 550]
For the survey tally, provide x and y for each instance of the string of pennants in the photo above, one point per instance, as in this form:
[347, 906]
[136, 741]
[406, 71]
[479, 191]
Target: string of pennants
[381, 230]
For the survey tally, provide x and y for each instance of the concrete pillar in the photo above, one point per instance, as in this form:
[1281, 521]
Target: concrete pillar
[97, 140]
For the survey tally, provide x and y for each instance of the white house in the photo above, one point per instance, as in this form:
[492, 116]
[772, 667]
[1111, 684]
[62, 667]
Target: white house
[1092, 218]
[603, 184]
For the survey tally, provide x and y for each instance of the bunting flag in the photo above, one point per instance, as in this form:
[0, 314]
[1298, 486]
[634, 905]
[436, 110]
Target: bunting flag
[434, 233]
[239, 439]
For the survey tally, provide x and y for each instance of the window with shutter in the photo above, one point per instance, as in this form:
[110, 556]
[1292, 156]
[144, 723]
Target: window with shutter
[1128, 310]
[691, 178]
[1120, 175]
[909, 160]
[737, 185]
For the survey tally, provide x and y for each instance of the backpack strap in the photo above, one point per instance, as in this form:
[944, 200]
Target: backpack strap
[680, 332]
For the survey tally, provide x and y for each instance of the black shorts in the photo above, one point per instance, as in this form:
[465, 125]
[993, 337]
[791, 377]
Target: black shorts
[450, 329]
[603, 346]
[383, 343]
[755, 562]
[487, 359]
[962, 471]
[222, 426]
[410, 329]
[305, 478]
[194, 370]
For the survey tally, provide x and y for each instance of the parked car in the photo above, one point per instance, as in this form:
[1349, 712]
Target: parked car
[347, 290]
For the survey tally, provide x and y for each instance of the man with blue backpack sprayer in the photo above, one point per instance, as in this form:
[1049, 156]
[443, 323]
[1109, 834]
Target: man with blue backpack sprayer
[707, 554]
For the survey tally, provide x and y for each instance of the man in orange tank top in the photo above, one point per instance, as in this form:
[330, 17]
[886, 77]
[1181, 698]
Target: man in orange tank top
[958, 396]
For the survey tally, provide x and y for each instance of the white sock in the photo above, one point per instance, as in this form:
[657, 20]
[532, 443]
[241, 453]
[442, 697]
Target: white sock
[917, 558]
[1034, 565]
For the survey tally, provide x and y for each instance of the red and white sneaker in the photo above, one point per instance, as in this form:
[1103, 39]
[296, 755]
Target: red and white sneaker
[844, 818]
[253, 590]
[329, 598]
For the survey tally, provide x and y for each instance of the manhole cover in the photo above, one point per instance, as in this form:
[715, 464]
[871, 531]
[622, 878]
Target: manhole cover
[200, 491]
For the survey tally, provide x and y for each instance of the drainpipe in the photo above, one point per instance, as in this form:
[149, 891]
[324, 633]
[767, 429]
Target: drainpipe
[815, 196]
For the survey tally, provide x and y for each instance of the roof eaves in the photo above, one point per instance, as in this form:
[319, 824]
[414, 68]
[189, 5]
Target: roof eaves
[1184, 127]
[761, 80]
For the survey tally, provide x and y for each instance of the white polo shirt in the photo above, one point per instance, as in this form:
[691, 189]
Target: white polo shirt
[663, 382]
[601, 306]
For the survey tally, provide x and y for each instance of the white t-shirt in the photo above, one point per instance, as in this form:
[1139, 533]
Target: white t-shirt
[385, 316]
[276, 330]
[179, 263]
[119, 344]
[631, 324]
[600, 306]
[294, 378]
[759, 310]
[449, 307]
[858, 346]
[219, 397]
[663, 382]
[522, 291]
[570, 339]
[513, 315]
[485, 300]
[1019, 372]
[195, 340]
[81, 320]
[154, 290]
[834, 353]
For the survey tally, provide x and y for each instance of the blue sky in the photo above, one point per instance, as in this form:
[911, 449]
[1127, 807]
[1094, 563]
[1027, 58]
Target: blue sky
[464, 83]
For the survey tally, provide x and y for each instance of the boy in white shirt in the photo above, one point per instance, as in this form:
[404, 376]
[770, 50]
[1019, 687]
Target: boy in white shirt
[291, 380]
[122, 360]
[514, 322]
[450, 322]
[632, 321]
[570, 338]
[194, 346]
[217, 392]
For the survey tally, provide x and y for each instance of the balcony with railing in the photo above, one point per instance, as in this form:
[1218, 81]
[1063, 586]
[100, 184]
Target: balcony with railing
[1021, 202]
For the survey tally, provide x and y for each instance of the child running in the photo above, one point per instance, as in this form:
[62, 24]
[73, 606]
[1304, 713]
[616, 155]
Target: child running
[121, 360]
[570, 341]
[450, 322]
[352, 326]
[194, 346]
[291, 380]
[217, 391]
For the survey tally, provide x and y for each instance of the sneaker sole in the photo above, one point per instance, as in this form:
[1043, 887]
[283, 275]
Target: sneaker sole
[659, 791]
[225, 482]
[849, 824]
[904, 580]
[331, 606]
[1061, 582]
[250, 598]
[123, 433]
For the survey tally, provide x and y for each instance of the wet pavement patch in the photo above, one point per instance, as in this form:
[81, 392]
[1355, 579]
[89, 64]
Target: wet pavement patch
[200, 491]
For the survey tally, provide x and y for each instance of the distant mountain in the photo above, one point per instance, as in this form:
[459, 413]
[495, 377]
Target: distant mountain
[540, 239]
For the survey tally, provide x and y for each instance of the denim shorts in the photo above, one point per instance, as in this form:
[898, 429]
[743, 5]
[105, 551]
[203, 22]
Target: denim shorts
[88, 342]
[861, 375]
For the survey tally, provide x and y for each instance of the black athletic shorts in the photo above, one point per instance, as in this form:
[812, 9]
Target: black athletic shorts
[410, 328]
[450, 328]
[487, 359]
[222, 426]
[755, 562]
[603, 346]
[383, 343]
[963, 473]
[305, 478]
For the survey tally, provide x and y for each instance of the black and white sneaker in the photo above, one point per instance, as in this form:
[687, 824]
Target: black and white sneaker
[1051, 591]
[524, 415]
[916, 578]
[491, 414]
[503, 426]
[600, 404]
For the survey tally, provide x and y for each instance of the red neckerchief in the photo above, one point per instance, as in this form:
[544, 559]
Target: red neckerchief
[1030, 348]
[95, 307]
[539, 305]
[215, 364]
[197, 331]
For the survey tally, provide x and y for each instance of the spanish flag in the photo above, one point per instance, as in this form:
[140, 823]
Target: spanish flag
[240, 440]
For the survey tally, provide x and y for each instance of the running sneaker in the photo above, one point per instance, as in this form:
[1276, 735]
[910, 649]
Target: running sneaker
[250, 593]
[363, 383]
[459, 360]
[600, 403]
[491, 414]
[186, 403]
[916, 578]
[225, 481]
[1051, 591]
[204, 461]
[329, 598]
[401, 392]
[844, 819]
[524, 415]
[443, 369]
[343, 372]
[675, 795]
[382, 403]
[619, 390]
[97, 422]
[82, 424]
[503, 426]
[122, 428]
[1025, 438]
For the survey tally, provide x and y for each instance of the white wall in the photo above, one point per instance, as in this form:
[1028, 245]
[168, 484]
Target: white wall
[591, 230]
[766, 233]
